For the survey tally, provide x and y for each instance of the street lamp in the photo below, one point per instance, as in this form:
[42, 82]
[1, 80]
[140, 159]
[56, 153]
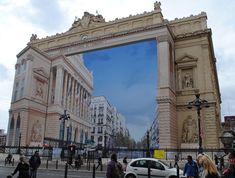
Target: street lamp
[198, 104]
[227, 139]
[148, 147]
[105, 146]
[64, 117]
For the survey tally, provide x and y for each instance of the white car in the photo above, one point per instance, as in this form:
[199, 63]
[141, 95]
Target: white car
[138, 168]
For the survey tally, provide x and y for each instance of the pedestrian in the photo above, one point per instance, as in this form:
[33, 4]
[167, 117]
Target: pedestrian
[23, 168]
[209, 168]
[78, 161]
[99, 163]
[230, 171]
[216, 159]
[176, 160]
[124, 161]
[34, 163]
[221, 160]
[113, 168]
[191, 168]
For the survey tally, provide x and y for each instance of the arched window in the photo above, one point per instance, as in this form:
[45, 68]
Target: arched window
[11, 131]
[81, 137]
[17, 132]
[61, 134]
[75, 135]
[70, 133]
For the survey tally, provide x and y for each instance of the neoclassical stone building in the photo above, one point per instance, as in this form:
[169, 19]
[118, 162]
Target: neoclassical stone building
[186, 66]
[44, 87]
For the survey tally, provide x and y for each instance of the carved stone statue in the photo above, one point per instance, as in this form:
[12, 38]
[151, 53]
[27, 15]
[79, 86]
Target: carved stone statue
[187, 81]
[36, 133]
[39, 89]
[87, 20]
[33, 37]
[189, 132]
[157, 5]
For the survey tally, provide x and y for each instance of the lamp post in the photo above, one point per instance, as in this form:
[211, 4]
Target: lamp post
[227, 139]
[148, 147]
[198, 103]
[64, 117]
[105, 144]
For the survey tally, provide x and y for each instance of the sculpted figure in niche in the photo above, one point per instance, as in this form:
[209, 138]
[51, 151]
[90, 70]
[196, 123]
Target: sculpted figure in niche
[39, 89]
[36, 133]
[187, 81]
[189, 134]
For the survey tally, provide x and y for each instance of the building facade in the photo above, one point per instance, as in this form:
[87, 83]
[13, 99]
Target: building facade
[107, 122]
[44, 87]
[186, 65]
[3, 137]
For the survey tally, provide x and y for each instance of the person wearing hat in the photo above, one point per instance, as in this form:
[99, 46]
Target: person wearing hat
[23, 168]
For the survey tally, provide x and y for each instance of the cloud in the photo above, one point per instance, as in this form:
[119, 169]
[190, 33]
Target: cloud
[19, 19]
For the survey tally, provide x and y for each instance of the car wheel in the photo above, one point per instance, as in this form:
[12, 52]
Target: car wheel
[173, 177]
[130, 176]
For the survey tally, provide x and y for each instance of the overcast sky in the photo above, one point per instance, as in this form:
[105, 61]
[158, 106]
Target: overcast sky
[21, 18]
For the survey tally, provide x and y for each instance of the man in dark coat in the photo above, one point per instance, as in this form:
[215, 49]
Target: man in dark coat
[34, 163]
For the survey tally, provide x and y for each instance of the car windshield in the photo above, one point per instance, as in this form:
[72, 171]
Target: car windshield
[165, 164]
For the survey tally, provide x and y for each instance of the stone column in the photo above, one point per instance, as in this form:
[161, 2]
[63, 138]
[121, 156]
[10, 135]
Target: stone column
[65, 88]
[75, 98]
[165, 95]
[28, 74]
[58, 84]
[72, 95]
[67, 91]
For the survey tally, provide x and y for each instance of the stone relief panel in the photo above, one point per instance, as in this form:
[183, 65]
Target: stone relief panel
[187, 79]
[39, 91]
[36, 132]
[189, 132]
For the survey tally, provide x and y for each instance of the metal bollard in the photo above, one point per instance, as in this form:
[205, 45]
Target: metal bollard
[56, 164]
[89, 165]
[66, 170]
[149, 174]
[93, 173]
[13, 161]
[47, 164]
[178, 171]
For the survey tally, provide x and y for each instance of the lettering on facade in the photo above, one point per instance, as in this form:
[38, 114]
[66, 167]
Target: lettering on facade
[189, 132]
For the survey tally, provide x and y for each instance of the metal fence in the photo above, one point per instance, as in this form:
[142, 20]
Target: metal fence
[63, 153]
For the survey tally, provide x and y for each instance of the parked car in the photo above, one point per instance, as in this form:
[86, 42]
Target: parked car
[138, 168]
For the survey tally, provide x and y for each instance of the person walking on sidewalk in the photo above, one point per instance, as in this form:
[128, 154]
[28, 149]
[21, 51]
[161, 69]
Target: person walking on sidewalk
[34, 163]
[23, 168]
[114, 170]
[99, 163]
[191, 168]
[209, 167]
[230, 171]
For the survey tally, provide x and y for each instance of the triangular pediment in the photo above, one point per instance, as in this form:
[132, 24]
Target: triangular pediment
[186, 58]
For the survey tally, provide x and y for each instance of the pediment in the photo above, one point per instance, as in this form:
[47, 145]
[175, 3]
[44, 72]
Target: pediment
[186, 58]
